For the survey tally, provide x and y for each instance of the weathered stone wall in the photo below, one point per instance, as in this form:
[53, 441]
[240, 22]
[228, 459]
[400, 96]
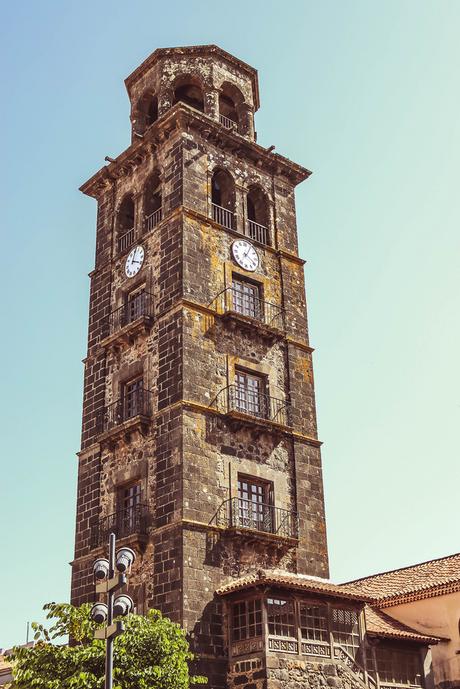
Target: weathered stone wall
[211, 72]
[187, 459]
[203, 156]
[284, 673]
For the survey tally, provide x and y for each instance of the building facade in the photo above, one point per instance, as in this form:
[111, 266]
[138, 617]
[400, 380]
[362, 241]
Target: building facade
[425, 596]
[199, 442]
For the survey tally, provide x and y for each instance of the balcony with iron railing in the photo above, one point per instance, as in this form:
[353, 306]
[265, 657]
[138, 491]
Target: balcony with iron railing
[227, 122]
[249, 311]
[153, 219]
[257, 232]
[132, 521]
[226, 218]
[252, 407]
[223, 216]
[242, 514]
[125, 240]
[134, 316]
[132, 411]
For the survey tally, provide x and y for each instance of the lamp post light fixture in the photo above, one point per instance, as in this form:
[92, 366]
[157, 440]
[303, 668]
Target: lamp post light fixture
[111, 575]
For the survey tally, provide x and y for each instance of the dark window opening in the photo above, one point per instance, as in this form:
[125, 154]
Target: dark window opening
[227, 111]
[258, 215]
[152, 111]
[126, 215]
[223, 198]
[153, 201]
[255, 504]
[135, 305]
[125, 223]
[246, 619]
[129, 503]
[251, 394]
[190, 94]
[281, 617]
[146, 113]
[133, 398]
[223, 190]
[396, 666]
[246, 298]
[257, 206]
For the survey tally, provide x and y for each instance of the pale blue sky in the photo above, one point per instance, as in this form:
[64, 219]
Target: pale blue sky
[363, 93]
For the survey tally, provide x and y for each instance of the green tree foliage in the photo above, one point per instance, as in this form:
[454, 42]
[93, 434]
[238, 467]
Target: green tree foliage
[152, 653]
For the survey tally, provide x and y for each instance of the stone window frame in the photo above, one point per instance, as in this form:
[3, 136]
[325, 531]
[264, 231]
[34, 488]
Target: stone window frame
[133, 472]
[140, 114]
[244, 110]
[257, 278]
[143, 280]
[235, 363]
[124, 375]
[188, 78]
[257, 301]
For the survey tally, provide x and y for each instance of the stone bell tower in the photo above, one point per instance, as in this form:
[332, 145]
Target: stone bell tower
[199, 443]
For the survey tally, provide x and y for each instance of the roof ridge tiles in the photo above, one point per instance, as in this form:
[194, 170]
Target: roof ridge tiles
[402, 569]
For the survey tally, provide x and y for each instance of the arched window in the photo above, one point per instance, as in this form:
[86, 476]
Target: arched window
[231, 103]
[227, 112]
[223, 198]
[152, 202]
[146, 112]
[189, 91]
[258, 215]
[125, 223]
[152, 111]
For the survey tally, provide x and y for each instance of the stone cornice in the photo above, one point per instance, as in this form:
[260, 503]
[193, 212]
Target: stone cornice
[182, 118]
[205, 409]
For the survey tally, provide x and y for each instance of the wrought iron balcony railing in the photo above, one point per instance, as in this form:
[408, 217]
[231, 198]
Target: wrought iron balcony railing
[227, 122]
[233, 300]
[239, 513]
[140, 305]
[133, 520]
[132, 404]
[223, 216]
[126, 240]
[252, 403]
[257, 232]
[153, 219]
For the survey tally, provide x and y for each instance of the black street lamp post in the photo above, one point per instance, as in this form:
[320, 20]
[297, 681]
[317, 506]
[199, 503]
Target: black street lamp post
[111, 576]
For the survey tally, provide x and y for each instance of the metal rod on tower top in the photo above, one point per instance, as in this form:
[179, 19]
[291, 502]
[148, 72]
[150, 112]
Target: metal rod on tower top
[110, 639]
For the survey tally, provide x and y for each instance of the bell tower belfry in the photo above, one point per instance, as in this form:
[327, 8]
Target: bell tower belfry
[199, 442]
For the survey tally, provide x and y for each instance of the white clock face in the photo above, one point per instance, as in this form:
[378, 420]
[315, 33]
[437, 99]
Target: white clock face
[134, 261]
[245, 255]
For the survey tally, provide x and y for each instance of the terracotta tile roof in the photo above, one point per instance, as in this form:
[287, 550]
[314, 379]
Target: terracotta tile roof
[380, 624]
[424, 580]
[293, 581]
